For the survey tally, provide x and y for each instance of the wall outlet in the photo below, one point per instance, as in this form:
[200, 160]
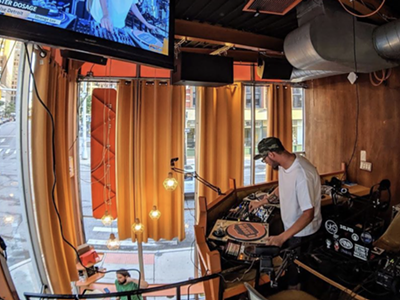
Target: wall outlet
[366, 166]
[363, 155]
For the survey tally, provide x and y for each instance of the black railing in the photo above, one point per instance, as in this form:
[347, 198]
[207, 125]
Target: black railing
[130, 294]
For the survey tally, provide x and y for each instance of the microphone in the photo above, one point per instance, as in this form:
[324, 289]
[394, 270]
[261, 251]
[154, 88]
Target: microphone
[173, 160]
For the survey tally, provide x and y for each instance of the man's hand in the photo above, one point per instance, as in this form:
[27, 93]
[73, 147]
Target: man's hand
[254, 204]
[276, 240]
[106, 23]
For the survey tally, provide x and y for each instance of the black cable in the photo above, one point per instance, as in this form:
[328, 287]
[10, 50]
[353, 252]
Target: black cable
[53, 151]
[188, 291]
[357, 91]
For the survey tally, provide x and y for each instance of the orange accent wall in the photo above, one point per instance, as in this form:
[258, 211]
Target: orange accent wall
[103, 107]
[151, 72]
[118, 68]
[114, 68]
[241, 72]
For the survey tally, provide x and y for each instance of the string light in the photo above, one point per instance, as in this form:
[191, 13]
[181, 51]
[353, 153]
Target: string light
[170, 183]
[155, 214]
[107, 219]
[113, 243]
[137, 227]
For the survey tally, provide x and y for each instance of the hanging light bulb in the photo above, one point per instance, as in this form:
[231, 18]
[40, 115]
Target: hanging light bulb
[137, 227]
[155, 213]
[107, 219]
[8, 219]
[170, 183]
[113, 243]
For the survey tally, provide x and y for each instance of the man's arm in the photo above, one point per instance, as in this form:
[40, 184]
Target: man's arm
[143, 283]
[105, 20]
[300, 224]
[274, 195]
[139, 15]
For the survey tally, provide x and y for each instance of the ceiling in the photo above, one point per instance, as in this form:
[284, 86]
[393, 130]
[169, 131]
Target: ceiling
[215, 23]
[228, 13]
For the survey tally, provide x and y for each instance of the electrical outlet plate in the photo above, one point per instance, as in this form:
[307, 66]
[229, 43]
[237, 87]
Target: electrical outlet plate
[363, 155]
[366, 166]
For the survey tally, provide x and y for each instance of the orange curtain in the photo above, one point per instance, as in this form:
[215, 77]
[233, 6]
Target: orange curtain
[59, 258]
[150, 131]
[279, 119]
[220, 137]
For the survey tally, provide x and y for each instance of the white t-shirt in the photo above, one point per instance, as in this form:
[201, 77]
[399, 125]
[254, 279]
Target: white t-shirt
[118, 11]
[299, 190]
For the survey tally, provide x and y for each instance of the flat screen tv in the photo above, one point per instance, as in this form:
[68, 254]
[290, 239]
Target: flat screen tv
[134, 30]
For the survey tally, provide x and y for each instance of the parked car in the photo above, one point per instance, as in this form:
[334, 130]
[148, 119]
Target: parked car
[189, 170]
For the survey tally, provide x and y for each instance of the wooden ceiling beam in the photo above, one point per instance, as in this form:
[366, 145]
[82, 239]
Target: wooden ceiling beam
[194, 31]
[237, 55]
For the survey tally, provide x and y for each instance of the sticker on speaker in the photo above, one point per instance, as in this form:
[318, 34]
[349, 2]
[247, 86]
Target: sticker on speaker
[331, 227]
[366, 238]
[355, 237]
[345, 243]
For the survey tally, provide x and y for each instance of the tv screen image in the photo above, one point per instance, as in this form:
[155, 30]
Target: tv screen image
[139, 24]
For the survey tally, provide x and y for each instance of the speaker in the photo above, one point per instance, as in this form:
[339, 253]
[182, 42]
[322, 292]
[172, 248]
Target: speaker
[202, 70]
[81, 56]
[274, 68]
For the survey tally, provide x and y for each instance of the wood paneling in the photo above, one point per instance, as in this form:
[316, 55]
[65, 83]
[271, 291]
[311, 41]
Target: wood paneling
[331, 114]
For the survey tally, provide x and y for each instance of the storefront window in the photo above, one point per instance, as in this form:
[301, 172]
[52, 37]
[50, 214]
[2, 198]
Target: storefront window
[258, 96]
[298, 119]
[159, 257]
[15, 227]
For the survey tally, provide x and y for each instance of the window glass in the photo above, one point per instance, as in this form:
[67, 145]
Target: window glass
[258, 95]
[159, 257]
[13, 217]
[298, 119]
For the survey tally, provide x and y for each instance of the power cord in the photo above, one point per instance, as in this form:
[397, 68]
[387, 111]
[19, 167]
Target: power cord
[357, 90]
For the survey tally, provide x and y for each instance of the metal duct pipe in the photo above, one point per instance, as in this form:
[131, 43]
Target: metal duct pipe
[303, 75]
[387, 40]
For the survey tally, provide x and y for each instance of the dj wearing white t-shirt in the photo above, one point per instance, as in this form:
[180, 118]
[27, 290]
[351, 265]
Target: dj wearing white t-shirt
[110, 14]
[299, 193]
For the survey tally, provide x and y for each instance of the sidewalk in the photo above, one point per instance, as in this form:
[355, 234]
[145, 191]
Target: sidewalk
[160, 267]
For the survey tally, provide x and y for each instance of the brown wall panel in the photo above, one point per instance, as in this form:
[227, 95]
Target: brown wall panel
[331, 113]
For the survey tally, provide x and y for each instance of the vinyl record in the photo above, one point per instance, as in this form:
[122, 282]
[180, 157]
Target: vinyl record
[246, 231]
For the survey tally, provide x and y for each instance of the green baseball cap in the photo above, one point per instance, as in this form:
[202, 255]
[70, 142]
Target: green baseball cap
[267, 145]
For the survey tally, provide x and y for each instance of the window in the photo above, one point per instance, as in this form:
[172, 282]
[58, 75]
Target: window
[255, 128]
[14, 222]
[298, 119]
[159, 256]
[298, 96]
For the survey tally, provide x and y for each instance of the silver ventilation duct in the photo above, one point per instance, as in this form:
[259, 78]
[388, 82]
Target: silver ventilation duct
[387, 40]
[303, 75]
[324, 43]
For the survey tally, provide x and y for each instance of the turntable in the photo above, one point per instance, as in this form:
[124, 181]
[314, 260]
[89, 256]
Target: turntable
[248, 232]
